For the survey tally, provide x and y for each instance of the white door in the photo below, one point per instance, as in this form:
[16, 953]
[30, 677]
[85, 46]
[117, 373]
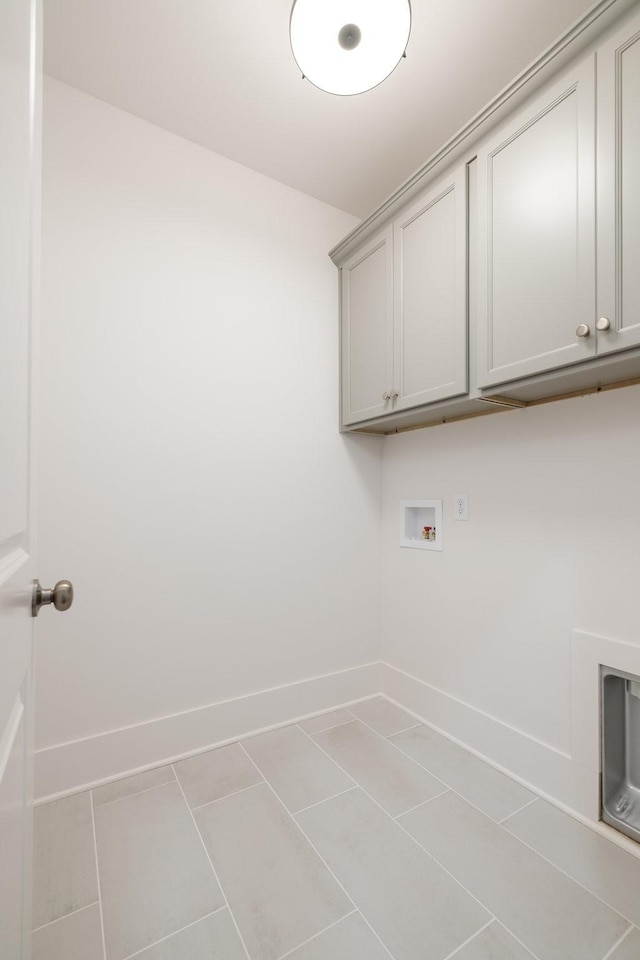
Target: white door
[19, 216]
[536, 235]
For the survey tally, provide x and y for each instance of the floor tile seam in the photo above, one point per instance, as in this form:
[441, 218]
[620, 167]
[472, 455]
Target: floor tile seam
[49, 923]
[364, 790]
[214, 871]
[324, 729]
[175, 933]
[322, 859]
[569, 877]
[613, 949]
[516, 812]
[401, 752]
[396, 733]
[330, 926]
[95, 853]
[138, 793]
[451, 956]
[308, 737]
[234, 793]
[318, 803]
[422, 804]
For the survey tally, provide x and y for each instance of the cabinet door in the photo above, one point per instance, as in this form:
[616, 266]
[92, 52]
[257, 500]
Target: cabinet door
[430, 308]
[619, 189]
[367, 330]
[536, 221]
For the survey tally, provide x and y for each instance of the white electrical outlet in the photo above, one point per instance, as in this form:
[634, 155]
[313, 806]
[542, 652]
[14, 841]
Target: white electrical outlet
[461, 506]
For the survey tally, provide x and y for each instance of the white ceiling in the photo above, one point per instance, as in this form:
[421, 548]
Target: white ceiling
[221, 73]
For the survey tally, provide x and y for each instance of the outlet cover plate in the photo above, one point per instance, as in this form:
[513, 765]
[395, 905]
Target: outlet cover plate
[461, 506]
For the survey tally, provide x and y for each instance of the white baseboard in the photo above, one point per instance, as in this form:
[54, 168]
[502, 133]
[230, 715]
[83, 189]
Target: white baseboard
[539, 766]
[68, 767]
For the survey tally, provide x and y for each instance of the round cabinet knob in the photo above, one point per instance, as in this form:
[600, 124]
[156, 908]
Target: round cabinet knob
[394, 394]
[583, 330]
[386, 396]
[61, 596]
[603, 324]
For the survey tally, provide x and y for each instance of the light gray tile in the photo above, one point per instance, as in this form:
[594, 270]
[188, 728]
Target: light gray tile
[476, 781]
[595, 862]
[76, 937]
[327, 720]
[393, 780]
[552, 915]
[351, 939]
[214, 938]
[384, 717]
[155, 877]
[629, 949]
[131, 785]
[493, 943]
[297, 769]
[216, 774]
[65, 877]
[279, 890]
[414, 906]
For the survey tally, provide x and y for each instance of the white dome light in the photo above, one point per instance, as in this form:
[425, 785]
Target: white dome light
[349, 46]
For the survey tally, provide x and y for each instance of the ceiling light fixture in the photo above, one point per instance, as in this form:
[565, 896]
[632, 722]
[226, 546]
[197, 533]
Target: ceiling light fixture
[349, 46]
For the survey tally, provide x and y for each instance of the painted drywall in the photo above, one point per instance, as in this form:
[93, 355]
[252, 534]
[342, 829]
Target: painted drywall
[193, 483]
[551, 546]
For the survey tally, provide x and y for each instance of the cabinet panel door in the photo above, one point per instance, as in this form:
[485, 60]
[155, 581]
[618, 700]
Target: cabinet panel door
[367, 330]
[619, 189]
[430, 308]
[536, 221]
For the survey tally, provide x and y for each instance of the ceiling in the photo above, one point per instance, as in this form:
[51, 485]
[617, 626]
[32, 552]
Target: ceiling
[221, 73]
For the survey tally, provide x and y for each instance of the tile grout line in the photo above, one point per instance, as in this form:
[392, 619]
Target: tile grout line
[294, 813]
[413, 839]
[319, 856]
[422, 804]
[324, 729]
[215, 873]
[450, 956]
[568, 876]
[613, 949]
[396, 733]
[138, 793]
[95, 852]
[175, 933]
[318, 934]
[519, 810]
[233, 793]
[65, 917]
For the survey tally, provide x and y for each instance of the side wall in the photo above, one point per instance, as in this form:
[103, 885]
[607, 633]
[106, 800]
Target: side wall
[490, 639]
[194, 485]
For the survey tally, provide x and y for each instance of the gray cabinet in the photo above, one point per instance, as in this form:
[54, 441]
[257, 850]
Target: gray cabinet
[403, 310]
[619, 191]
[536, 242]
[367, 330]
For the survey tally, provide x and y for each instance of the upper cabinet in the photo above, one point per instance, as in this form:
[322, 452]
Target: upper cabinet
[618, 315]
[430, 296]
[404, 323]
[536, 241]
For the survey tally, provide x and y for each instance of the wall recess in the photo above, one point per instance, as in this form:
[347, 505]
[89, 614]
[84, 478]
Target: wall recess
[421, 524]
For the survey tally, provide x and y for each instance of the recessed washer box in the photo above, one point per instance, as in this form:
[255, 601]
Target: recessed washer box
[421, 524]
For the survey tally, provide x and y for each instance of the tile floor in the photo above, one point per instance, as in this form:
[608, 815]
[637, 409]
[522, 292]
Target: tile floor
[357, 835]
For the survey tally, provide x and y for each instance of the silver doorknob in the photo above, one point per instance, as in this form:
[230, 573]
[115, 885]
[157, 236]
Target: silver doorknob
[61, 596]
[583, 330]
[603, 323]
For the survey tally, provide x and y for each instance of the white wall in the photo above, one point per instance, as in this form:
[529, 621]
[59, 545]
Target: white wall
[194, 485]
[552, 546]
